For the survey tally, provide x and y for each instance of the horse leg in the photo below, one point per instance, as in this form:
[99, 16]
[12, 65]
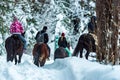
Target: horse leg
[8, 57]
[81, 51]
[36, 60]
[87, 54]
[15, 59]
[20, 56]
[42, 62]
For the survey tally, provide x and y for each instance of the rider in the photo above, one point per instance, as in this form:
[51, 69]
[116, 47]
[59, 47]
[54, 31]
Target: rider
[92, 25]
[62, 42]
[16, 28]
[45, 37]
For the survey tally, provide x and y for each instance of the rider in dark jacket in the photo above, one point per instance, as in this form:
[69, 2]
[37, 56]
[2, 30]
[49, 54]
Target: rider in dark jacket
[62, 42]
[43, 31]
[92, 25]
[46, 38]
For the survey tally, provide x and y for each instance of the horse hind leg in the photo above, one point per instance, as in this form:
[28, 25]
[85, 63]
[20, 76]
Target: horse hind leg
[87, 54]
[36, 62]
[8, 57]
[42, 62]
[20, 56]
[81, 51]
[36, 59]
[15, 59]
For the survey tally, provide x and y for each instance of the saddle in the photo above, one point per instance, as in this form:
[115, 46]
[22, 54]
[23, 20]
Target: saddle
[95, 38]
[17, 39]
[15, 36]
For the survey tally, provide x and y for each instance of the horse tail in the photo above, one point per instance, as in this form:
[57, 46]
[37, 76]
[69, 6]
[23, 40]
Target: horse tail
[76, 50]
[79, 45]
[34, 49]
[44, 51]
[9, 48]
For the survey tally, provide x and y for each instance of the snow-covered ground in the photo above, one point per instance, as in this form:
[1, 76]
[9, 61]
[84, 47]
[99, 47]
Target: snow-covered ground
[71, 68]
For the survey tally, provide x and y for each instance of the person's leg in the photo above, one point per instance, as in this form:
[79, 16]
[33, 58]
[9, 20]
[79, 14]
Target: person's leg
[23, 40]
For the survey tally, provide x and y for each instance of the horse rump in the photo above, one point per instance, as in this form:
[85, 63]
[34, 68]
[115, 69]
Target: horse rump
[40, 54]
[14, 47]
[60, 53]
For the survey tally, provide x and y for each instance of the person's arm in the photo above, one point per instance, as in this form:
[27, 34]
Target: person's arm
[46, 39]
[20, 27]
[89, 27]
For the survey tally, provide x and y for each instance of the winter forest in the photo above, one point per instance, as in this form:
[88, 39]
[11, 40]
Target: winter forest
[59, 16]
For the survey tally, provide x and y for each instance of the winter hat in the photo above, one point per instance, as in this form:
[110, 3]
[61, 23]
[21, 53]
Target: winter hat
[63, 34]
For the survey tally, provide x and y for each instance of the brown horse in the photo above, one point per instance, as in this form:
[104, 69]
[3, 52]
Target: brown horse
[40, 54]
[86, 41]
[14, 47]
[60, 53]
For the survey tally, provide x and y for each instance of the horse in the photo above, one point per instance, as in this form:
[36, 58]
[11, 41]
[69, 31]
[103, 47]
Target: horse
[60, 53]
[40, 54]
[14, 47]
[86, 41]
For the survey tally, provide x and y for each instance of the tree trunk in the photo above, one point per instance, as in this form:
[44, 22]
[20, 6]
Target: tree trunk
[107, 32]
[116, 19]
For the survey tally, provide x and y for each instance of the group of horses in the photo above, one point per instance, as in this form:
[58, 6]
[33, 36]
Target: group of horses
[40, 52]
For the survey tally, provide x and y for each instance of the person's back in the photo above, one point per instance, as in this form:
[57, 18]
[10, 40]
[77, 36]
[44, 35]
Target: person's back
[92, 25]
[16, 28]
[42, 36]
[62, 42]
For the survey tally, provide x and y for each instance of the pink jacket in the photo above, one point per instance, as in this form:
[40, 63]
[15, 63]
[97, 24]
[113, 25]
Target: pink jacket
[16, 27]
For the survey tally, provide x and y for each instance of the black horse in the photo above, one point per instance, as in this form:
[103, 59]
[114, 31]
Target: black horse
[14, 47]
[86, 41]
[60, 53]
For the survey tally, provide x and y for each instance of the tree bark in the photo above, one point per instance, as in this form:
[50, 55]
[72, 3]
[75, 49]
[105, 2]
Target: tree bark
[107, 32]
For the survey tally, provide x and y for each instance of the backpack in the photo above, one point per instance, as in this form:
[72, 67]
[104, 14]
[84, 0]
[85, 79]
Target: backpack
[40, 37]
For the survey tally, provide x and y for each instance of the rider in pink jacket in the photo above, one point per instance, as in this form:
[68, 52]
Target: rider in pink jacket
[16, 28]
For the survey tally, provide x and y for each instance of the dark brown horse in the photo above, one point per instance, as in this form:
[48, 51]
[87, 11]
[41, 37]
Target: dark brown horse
[40, 54]
[14, 47]
[86, 41]
[60, 53]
